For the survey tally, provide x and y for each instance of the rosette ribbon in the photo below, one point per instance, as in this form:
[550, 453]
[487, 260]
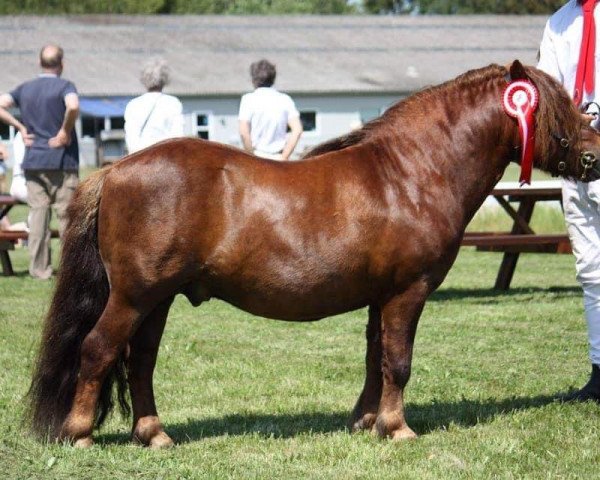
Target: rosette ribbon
[520, 101]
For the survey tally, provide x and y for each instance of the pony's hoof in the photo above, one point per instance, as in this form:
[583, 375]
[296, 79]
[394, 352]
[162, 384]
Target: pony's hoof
[149, 432]
[365, 422]
[83, 442]
[403, 434]
[392, 425]
[162, 440]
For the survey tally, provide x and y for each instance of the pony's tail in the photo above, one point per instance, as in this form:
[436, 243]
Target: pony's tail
[79, 299]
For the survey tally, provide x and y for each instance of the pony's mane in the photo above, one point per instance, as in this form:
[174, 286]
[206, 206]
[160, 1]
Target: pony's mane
[415, 101]
[552, 111]
[556, 116]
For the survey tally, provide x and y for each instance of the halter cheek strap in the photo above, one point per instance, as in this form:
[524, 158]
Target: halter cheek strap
[520, 100]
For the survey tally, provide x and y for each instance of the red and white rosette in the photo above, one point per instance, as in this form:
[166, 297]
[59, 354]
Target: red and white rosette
[520, 101]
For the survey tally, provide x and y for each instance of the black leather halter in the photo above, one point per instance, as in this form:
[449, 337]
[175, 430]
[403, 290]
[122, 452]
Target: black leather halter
[588, 160]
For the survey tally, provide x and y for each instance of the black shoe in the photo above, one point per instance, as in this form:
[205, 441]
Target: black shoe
[591, 390]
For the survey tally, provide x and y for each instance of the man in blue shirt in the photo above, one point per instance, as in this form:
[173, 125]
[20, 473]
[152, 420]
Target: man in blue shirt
[49, 108]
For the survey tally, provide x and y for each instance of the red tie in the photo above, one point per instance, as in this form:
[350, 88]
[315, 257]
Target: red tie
[586, 65]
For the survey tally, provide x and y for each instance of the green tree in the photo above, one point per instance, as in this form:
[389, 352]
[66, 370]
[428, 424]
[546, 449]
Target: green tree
[388, 6]
[488, 6]
[463, 6]
[263, 7]
[82, 6]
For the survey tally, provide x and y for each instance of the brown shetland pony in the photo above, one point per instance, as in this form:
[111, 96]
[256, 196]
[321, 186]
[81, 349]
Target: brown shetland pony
[371, 219]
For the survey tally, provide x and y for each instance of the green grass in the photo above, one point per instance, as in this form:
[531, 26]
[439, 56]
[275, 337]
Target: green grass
[513, 171]
[545, 219]
[245, 397]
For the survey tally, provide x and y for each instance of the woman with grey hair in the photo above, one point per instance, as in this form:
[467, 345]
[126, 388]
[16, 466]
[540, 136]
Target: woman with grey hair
[153, 116]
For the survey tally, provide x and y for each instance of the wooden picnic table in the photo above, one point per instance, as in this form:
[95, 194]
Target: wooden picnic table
[6, 203]
[521, 238]
[8, 238]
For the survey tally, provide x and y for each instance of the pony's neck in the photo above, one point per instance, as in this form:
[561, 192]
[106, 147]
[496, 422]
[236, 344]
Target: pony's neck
[459, 147]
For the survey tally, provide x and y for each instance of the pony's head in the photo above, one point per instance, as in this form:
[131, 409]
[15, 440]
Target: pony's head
[565, 144]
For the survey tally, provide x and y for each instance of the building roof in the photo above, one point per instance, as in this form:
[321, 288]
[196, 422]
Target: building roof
[210, 55]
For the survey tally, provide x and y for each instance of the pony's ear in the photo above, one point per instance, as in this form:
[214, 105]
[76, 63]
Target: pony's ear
[517, 71]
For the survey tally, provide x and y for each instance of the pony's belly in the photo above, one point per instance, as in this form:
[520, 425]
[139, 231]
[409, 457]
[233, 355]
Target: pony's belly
[291, 300]
[304, 282]
[295, 309]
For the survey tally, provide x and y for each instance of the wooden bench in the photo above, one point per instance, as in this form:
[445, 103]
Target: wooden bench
[521, 238]
[522, 243]
[8, 240]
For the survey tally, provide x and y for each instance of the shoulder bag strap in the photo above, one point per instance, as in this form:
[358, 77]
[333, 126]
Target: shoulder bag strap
[149, 114]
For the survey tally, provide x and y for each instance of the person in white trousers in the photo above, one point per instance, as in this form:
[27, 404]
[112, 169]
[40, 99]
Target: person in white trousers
[568, 53]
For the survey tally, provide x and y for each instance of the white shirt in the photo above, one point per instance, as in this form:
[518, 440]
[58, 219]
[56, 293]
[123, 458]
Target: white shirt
[150, 118]
[268, 112]
[18, 186]
[18, 154]
[559, 50]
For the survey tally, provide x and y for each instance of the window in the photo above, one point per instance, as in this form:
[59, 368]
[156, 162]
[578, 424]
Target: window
[88, 128]
[4, 131]
[309, 120]
[117, 123]
[8, 132]
[203, 125]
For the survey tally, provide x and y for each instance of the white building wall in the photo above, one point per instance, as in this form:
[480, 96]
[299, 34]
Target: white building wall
[335, 116]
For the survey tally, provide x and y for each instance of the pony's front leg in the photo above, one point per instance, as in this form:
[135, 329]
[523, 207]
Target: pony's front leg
[147, 428]
[399, 324]
[365, 412]
[99, 352]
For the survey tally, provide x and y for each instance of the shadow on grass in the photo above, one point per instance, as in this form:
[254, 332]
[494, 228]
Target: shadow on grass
[487, 293]
[16, 274]
[439, 415]
[423, 419]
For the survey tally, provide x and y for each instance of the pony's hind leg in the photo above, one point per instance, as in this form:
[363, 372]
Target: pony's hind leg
[399, 318]
[365, 412]
[99, 352]
[147, 429]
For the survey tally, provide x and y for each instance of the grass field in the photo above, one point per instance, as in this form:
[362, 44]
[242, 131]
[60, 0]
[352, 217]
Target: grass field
[245, 397]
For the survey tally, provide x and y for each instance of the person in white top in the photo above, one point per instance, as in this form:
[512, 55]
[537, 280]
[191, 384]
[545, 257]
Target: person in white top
[153, 116]
[568, 53]
[265, 114]
[6, 117]
[18, 188]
